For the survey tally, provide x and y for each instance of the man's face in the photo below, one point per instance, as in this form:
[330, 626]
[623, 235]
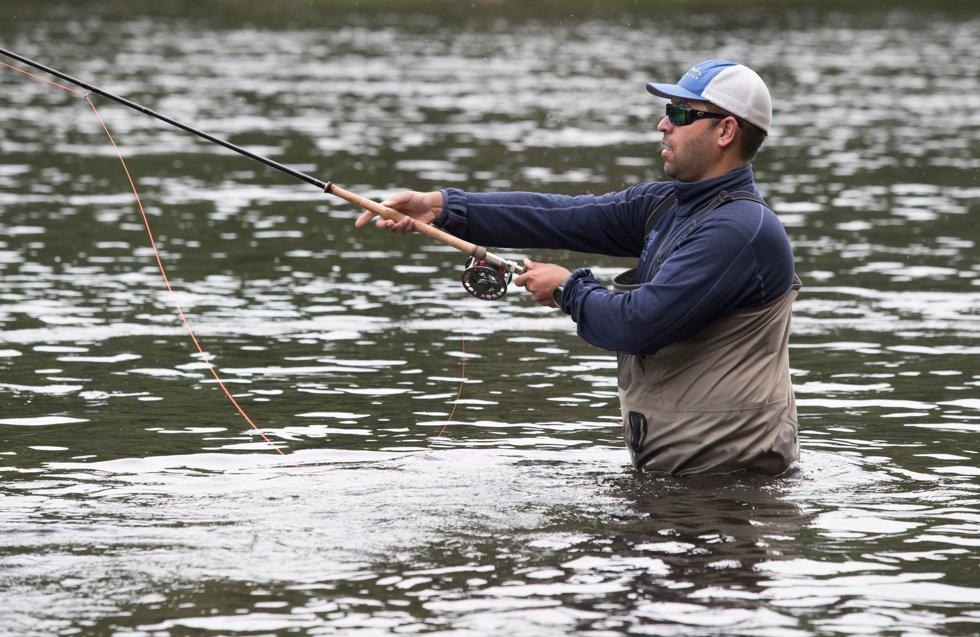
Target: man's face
[690, 151]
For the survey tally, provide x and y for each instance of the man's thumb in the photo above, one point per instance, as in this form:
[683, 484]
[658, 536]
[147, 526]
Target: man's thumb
[399, 200]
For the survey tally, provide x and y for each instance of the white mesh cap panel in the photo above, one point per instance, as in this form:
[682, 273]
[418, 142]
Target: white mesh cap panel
[740, 91]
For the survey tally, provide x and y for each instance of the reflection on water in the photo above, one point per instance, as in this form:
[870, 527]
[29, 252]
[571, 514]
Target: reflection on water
[135, 501]
[476, 540]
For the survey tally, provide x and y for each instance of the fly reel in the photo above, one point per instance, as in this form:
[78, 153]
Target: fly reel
[485, 281]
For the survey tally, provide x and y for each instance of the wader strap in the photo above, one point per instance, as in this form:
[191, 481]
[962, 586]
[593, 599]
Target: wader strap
[743, 194]
[658, 213]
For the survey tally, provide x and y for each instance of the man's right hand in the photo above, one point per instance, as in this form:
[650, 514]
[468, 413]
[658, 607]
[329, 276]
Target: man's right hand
[420, 207]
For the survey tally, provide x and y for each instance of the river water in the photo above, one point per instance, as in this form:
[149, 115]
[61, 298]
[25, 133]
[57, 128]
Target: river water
[135, 501]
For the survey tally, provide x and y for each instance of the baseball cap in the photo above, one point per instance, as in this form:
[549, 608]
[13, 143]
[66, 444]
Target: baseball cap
[728, 85]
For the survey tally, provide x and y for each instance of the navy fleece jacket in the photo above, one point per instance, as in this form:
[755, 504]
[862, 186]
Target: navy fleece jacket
[736, 256]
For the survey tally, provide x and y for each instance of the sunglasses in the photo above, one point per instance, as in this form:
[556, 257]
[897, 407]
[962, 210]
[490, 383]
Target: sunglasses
[680, 115]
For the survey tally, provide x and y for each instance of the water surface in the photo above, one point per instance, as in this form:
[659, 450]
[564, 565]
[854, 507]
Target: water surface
[135, 501]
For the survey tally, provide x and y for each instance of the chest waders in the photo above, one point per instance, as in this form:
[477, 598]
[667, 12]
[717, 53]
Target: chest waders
[721, 400]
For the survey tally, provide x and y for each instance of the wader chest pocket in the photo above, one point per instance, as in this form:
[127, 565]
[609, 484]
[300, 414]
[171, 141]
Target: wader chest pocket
[637, 431]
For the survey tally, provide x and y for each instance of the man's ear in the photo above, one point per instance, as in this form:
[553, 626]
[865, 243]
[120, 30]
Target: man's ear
[728, 133]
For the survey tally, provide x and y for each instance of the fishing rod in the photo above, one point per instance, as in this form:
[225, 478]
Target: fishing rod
[486, 275]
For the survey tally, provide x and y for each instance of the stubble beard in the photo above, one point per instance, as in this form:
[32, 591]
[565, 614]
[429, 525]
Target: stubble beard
[692, 163]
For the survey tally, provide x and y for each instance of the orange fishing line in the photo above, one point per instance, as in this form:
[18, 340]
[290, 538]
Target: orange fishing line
[462, 381]
[156, 253]
[44, 79]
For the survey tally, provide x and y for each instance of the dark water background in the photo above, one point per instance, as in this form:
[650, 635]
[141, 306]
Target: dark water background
[134, 501]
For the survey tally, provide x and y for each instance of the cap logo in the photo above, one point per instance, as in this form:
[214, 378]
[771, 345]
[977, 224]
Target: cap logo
[694, 73]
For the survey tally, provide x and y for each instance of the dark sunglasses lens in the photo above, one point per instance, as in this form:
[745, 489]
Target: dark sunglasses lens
[677, 115]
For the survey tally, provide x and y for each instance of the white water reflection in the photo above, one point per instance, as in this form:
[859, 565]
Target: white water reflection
[40, 421]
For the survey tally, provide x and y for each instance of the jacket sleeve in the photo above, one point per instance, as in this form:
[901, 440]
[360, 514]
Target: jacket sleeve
[609, 224]
[711, 272]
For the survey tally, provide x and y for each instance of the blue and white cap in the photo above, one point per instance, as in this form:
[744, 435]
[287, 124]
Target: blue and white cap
[730, 86]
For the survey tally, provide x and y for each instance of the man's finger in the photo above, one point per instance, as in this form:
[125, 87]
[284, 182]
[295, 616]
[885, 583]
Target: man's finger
[365, 217]
[404, 226]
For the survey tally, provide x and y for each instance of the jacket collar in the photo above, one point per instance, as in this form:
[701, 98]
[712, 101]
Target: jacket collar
[696, 195]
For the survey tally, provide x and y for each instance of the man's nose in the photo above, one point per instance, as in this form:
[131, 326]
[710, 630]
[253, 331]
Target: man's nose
[664, 125]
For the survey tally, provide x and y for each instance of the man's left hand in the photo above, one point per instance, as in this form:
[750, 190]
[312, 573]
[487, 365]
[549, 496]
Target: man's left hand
[541, 279]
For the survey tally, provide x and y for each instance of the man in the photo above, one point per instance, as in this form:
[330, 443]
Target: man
[701, 325]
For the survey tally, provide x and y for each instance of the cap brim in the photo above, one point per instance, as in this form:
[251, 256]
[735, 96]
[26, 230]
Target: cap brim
[671, 91]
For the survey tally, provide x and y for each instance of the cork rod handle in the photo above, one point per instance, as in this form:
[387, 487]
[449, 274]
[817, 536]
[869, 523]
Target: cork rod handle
[422, 228]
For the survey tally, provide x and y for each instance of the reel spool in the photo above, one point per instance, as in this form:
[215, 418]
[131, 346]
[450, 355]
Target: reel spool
[485, 281]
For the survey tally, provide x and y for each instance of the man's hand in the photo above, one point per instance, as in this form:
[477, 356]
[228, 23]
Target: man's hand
[541, 279]
[421, 207]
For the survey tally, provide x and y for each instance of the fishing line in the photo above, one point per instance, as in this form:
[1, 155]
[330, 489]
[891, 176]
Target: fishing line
[486, 276]
[462, 381]
[156, 253]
